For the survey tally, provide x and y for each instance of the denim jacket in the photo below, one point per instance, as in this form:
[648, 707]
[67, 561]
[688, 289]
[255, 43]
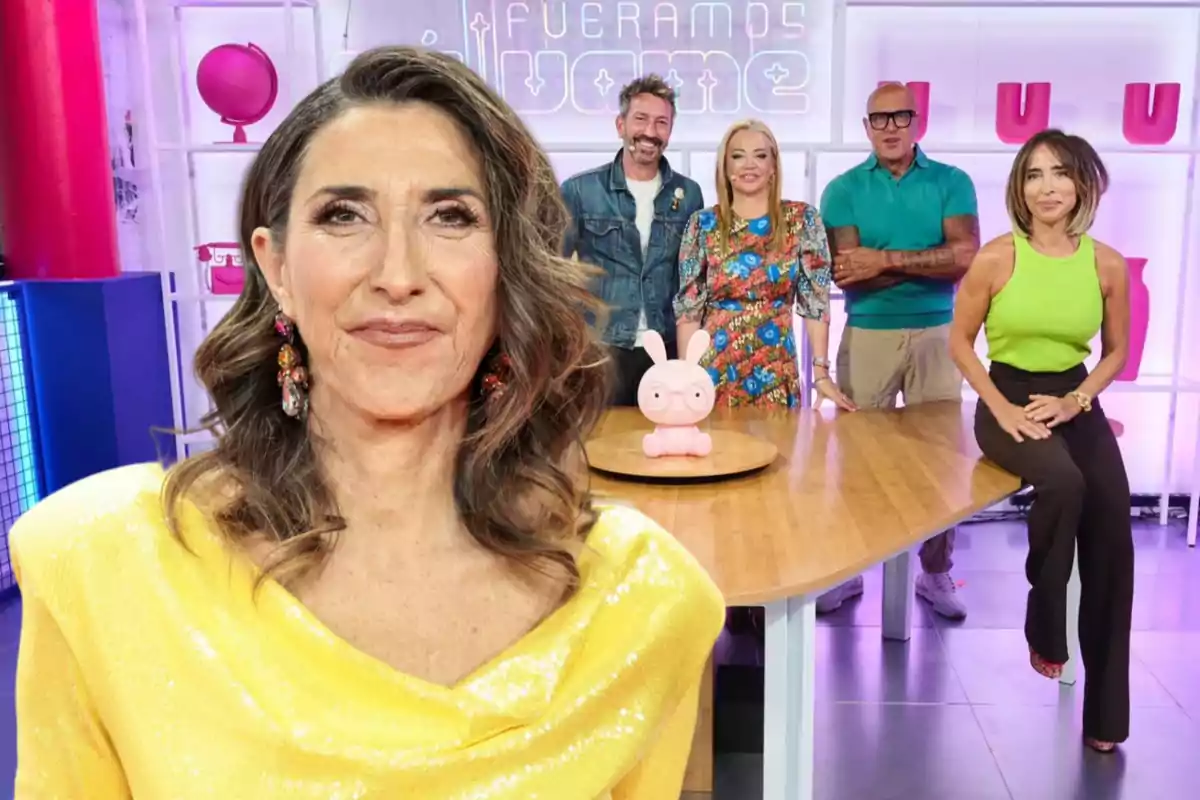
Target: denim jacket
[604, 233]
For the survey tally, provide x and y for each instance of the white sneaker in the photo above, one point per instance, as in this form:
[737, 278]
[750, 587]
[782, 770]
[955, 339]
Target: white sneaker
[832, 600]
[941, 593]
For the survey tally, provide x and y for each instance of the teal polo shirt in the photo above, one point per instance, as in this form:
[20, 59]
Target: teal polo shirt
[902, 213]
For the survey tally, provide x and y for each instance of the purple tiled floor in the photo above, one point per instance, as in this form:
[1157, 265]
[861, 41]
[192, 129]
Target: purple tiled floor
[955, 713]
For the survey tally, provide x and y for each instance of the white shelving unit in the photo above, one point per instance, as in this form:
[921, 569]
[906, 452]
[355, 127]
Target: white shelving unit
[166, 117]
[190, 304]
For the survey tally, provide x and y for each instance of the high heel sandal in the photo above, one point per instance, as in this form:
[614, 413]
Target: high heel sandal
[1047, 669]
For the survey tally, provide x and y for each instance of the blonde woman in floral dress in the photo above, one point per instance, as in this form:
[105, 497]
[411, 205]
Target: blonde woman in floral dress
[744, 265]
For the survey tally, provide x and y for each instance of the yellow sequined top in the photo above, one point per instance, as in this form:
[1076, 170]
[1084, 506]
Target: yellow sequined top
[151, 672]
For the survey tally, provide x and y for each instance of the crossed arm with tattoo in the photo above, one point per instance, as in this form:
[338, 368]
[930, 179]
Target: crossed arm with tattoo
[865, 268]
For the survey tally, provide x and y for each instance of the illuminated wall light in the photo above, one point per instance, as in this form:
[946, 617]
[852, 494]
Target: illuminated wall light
[15, 411]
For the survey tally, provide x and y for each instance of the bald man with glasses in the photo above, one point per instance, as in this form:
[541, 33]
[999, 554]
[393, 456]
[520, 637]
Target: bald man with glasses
[903, 230]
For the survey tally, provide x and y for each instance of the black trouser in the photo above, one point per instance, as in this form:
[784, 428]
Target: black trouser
[1082, 501]
[629, 365]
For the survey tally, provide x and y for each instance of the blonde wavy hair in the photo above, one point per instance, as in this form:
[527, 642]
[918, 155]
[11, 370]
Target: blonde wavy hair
[725, 188]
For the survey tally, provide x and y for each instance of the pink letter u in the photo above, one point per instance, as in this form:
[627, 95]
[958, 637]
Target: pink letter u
[1015, 126]
[1150, 123]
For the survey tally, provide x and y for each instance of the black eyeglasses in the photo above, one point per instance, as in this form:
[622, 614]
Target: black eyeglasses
[879, 119]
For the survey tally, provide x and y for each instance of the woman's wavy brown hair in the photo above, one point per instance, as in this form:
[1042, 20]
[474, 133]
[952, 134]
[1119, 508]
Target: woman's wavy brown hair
[1084, 167]
[518, 485]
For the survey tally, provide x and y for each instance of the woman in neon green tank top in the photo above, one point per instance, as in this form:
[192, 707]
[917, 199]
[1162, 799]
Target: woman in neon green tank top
[1043, 292]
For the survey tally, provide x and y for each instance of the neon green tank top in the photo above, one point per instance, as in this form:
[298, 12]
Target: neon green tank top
[1045, 317]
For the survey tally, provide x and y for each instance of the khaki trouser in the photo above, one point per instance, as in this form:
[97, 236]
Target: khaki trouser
[875, 366]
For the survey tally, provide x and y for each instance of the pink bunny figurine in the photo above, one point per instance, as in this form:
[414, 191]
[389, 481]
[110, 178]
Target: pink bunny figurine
[675, 395]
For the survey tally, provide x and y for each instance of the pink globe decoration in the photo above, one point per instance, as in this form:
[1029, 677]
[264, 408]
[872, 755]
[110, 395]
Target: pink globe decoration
[239, 82]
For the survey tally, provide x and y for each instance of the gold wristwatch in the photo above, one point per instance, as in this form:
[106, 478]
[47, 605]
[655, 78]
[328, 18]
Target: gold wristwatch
[1083, 399]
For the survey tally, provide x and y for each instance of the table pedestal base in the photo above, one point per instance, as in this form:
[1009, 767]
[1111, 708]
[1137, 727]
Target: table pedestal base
[898, 597]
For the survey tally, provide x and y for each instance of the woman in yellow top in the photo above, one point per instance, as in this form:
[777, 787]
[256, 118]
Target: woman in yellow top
[386, 580]
[1044, 292]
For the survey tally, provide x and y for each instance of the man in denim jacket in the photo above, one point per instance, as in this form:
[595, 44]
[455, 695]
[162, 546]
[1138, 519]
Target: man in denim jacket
[627, 219]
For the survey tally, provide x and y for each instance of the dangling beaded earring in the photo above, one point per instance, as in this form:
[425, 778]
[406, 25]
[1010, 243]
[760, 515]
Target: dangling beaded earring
[293, 378]
[495, 380]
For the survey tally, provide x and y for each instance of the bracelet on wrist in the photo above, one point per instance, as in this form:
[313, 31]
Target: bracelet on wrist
[1083, 399]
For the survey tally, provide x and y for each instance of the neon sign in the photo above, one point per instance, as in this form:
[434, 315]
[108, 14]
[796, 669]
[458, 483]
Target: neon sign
[569, 59]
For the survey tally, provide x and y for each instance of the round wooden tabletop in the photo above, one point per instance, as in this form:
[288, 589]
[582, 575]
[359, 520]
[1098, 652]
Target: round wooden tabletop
[733, 453]
[847, 491]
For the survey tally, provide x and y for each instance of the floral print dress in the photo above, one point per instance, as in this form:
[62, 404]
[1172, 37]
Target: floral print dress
[744, 295]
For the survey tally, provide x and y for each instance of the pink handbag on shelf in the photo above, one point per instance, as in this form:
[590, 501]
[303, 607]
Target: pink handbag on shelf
[222, 264]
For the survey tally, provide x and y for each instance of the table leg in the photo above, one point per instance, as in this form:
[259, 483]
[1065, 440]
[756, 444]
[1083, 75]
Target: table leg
[1194, 503]
[789, 712]
[699, 775]
[1070, 669]
[1193, 512]
[898, 597]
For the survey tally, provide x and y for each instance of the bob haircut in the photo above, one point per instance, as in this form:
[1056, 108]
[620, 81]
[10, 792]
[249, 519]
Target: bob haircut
[1084, 168]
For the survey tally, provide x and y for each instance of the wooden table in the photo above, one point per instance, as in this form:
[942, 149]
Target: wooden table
[849, 491]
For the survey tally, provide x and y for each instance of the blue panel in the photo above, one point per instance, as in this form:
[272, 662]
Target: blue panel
[98, 357]
[69, 365]
[138, 368]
